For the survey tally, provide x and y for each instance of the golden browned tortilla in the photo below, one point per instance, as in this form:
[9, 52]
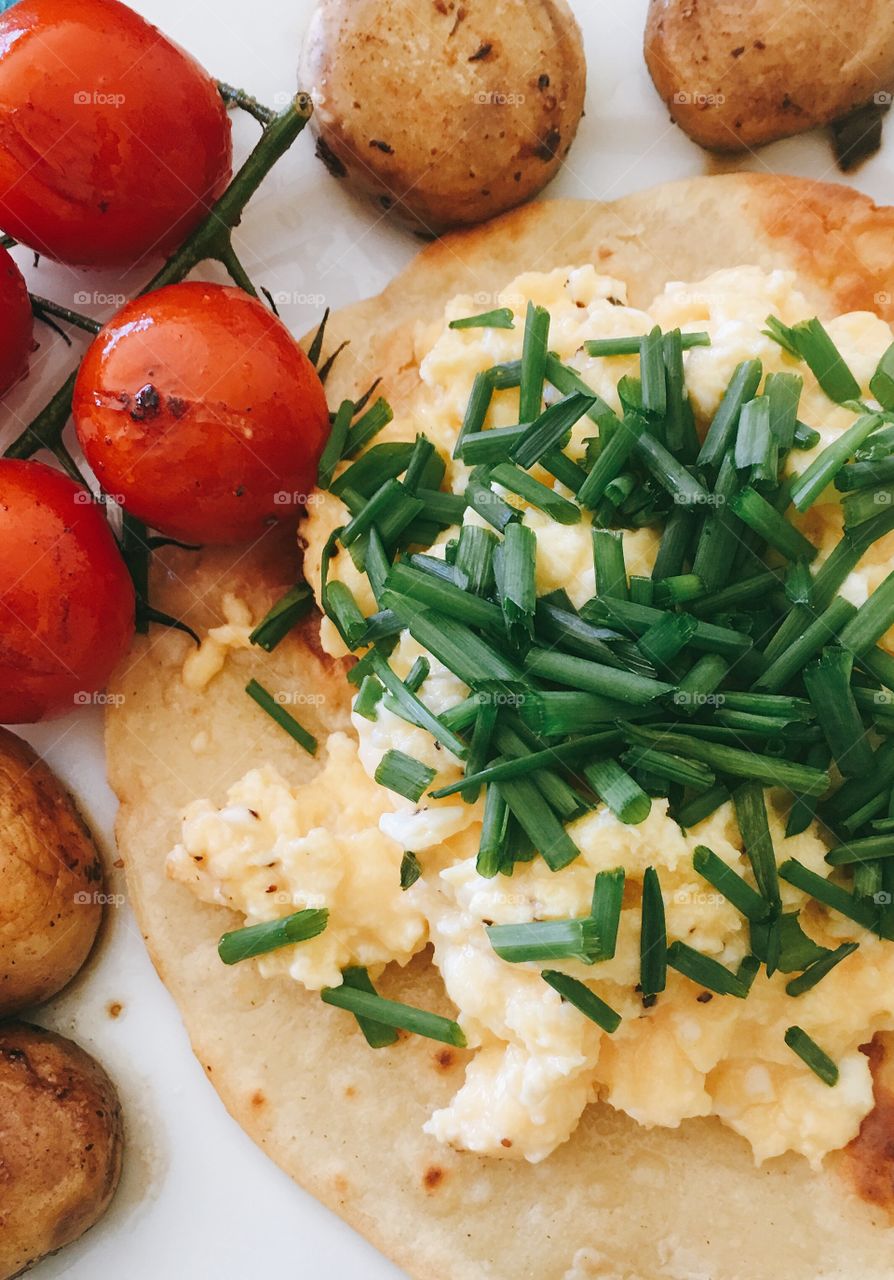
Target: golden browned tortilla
[617, 1202]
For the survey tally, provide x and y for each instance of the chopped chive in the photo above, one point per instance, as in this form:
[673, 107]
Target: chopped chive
[376, 417]
[818, 970]
[701, 807]
[418, 674]
[335, 445]
[809, 341]
[437, 593]
[864, 504]
[608, 898]
[699, 683]
[371, 470]
[593, 677]
[611, 461]
[549, 428]
[539, 822]
[670, 768]
[279, 621]
[871, 620]
[642, 590]
[392, 504]
[881, 383]
[823, 470]
[810, 1053]
[565, 380]
[870, 848]
[738, 593]
[670, 474]
[271, 935]
[806, 437]
[829, 894]
[537, 494]
[653, 938]
[404, 1017]
[799, 583]
[865, 475]
[567, 630]
[783, 390]
[470, 658]
[803, 810]
[751, 815]
[721, 532]
[277, 712]
[807, 641]
[770, 771]
[410, 870]
[828, 684]
[652, 377]
[728, 882]
[774, 529]
[665, 639]
[533, 365]
[546, 940]
[414, 709]
[368, 698]
[682, 588]
[748, 970]
[499, 318]
[608, 558]
[423, 457]
[638, 618]
[479, 747]
[489, 505]
[515, 563]
[742, 388]
[494, 829]
[674, 546]
[856, 792]
[377, 1035]
[476, 410]
[583, 999]
[556, 713]
[462, 716]
[622, 794]
[342, 608]
[474, 557]
[704, 971]
[403, 774]
[756, 447]
[679, 424]
[631, 346]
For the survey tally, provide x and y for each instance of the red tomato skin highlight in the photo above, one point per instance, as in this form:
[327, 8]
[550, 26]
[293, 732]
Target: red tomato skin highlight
[66, 598]
[199, 412]
[113, 141]
[16, 323]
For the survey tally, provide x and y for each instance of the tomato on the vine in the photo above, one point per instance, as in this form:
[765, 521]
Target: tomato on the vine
[66, 598]
[113, 141]
[16, 323]
[198, 410]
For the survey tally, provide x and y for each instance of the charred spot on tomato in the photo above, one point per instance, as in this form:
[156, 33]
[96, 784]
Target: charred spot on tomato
[325, 153]
[385, 147]
[548, 147]
[146, 403]
[177, 406]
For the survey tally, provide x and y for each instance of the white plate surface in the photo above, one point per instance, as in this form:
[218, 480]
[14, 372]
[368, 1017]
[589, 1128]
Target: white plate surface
[198, 1200]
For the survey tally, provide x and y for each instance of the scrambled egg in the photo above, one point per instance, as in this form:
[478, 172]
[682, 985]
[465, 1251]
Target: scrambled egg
[339, 841]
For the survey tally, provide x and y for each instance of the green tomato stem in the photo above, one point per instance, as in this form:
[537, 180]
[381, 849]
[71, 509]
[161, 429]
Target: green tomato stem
[210, 239]
[47, 307]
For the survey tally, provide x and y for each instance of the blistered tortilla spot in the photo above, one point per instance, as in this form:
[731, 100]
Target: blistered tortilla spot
[258, 1099]
[350, 1091]
[444, 1059]
[433, 1177]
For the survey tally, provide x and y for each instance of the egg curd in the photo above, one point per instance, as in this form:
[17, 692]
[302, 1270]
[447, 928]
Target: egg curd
[339, 841]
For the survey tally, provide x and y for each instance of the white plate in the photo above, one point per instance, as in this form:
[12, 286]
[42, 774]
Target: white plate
[198, 1200]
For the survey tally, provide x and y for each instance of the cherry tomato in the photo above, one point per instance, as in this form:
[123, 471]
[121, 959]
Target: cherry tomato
[66, 598]
[16, 323]
[198, 411]
[113, 140]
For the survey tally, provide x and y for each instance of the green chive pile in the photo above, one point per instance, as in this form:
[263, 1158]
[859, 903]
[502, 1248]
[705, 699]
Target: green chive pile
[735, 667]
